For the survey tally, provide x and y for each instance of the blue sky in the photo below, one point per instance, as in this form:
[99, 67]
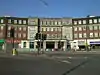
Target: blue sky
[55, 8]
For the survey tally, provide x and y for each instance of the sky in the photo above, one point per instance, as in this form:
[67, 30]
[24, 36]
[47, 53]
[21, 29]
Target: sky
[51, 8]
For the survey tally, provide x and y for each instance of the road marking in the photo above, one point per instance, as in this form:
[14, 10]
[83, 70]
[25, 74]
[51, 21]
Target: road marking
[65, 61]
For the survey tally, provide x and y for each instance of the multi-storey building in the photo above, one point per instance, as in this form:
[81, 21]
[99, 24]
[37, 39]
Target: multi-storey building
[20, 26]
[86, 31]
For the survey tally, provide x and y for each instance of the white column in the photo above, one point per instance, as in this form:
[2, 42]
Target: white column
[35, 43]
[65, 45]
[56, 44]
[44, 45]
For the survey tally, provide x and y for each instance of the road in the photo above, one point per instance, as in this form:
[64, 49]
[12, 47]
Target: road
[80, 64]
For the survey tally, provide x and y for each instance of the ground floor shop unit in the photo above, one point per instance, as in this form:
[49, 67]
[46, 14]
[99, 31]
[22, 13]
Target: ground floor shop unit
[46, 44]
[93, 43]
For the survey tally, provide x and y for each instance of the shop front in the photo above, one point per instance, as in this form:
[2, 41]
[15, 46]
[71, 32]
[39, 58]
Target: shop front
[95, 44]
[2, 44]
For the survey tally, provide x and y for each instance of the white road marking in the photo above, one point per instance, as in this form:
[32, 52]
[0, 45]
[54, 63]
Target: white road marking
[65, 61]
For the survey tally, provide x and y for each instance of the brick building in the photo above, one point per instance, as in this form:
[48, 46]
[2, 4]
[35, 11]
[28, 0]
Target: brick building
[20, 26]
[86, 31]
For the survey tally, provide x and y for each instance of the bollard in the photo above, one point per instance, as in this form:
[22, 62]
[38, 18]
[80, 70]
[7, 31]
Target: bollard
[13, 52]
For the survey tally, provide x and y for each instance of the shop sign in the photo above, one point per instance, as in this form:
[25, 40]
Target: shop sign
[11, 41]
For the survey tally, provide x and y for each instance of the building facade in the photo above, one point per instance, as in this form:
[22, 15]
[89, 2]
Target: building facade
[20, 26]
[86, 32]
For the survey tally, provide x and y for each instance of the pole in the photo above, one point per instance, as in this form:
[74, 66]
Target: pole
[6, 30]
[39, 33]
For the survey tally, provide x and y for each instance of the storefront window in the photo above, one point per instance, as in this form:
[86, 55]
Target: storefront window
[24, 44]
[31, 44]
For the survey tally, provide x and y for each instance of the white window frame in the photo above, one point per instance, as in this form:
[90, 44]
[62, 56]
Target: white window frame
[75, 22]
[19, 35]
[20, 21]
[15, 21]
[90, 21]
[9, 20]
[2, 27]
[2, 20]
[80, 35]
[24, 21]
[56, 22]
[84, 35]
[59, 23]
[20, 28]
[90, 27]
[80, 28]
[91, 35]
[51, 29]
[84, 21]
[80, 22]
[96, 34]
[99, 20]
[75, 28]
[95, 27]
[9, 27]
[95, 20]
[15, 35]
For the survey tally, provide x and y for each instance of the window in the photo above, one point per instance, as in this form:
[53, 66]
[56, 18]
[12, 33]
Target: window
[95, 20]
[55, 29]
[19, 35]
[20, 28]
[2, 20]
[59, 23]
[51, 22]
[46, 29]
[75, 36]
[9, 27]
[48, 23]
[80, 28]
[84, 28]
[90, 21]
[20, 21]
[51, 29]
[75, 28]
[96, 34]
[24, 28]
[2, 27]
[9, 20]
[75, 22]
[44, 23]
[24, 44]
[31, 45]
[56, 23]
[15, 35]
[24, 35]
[15, 21]
[8, 35]
[95, 27]
[99, 20]
[91, 34]
[24, 21]
[42, 29]
[91, 27]
[41, 22]
[80, 35]
[84, 35]
[79, 22]
[84, 21]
